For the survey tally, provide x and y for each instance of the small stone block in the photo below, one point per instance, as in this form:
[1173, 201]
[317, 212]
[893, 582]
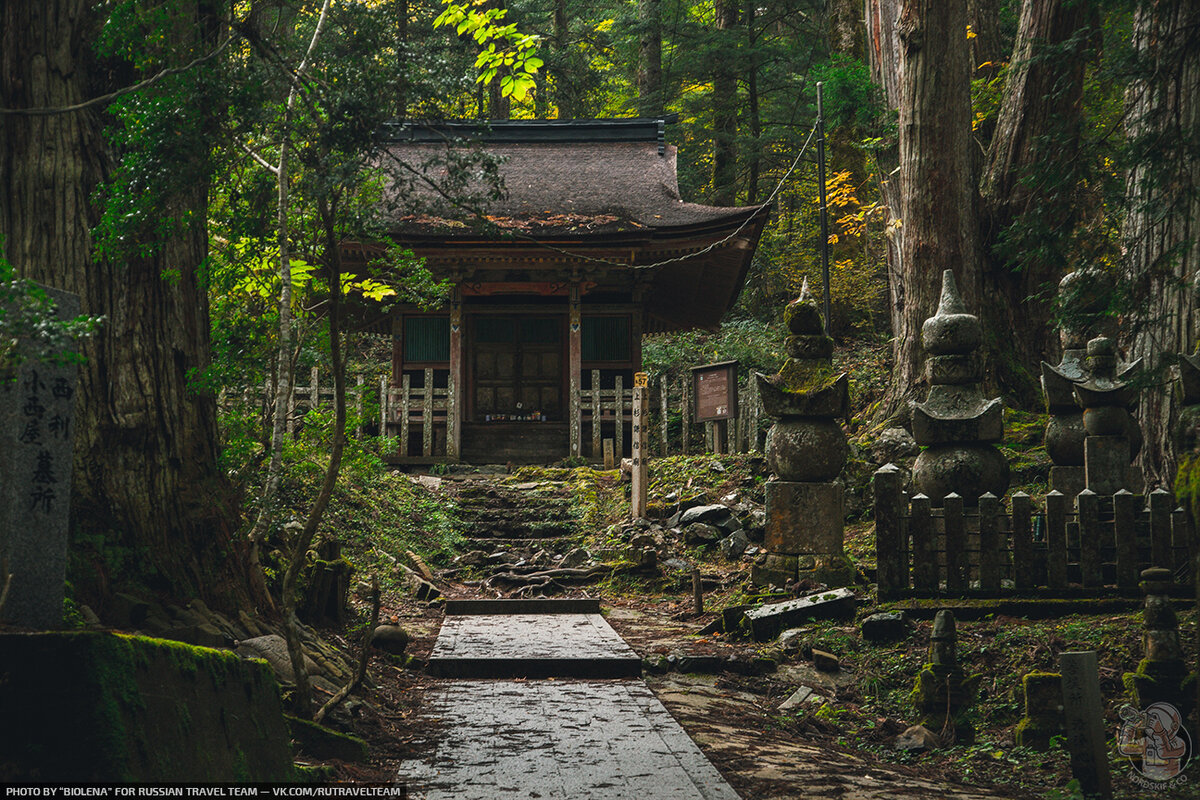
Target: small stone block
[825, 661]
[776, 570]
[886, 626]
[804, 696]
[1068, 480]
[804, 517]
[1106, 463]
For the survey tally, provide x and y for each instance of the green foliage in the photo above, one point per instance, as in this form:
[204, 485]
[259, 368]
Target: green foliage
[30, 328]
[505, 52]
[755, 345]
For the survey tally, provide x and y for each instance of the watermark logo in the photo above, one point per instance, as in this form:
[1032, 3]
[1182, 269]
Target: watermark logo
[1156, 744]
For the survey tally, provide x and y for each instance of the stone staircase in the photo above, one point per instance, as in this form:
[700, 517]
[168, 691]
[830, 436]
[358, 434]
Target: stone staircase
[531, 515]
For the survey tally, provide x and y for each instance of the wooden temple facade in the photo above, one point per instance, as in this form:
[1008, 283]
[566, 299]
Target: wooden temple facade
[590, 248]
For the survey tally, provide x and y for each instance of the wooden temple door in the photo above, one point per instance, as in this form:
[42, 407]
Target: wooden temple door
[517, 369]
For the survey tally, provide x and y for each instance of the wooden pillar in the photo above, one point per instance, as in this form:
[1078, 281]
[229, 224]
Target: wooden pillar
[662, 382]
[383, 406]
[397, 347]
[597, 414]
[427, 415]
[619, 416]
[684, 411]
[405, 410]
[641, 466]
[574, 366]
[454, 386]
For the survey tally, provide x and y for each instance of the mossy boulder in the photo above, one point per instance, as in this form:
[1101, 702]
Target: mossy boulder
[94, 706]
[324, 743]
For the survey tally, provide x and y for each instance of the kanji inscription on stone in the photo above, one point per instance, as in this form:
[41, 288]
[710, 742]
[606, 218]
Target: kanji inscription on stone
[36, 437]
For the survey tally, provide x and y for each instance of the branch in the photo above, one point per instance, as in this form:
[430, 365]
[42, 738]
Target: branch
[108, 98]
[262, 162]
[361, 672]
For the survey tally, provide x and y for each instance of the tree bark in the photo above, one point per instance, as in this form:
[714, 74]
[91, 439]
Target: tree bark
[1162, 228]
[846, 28]
[724, 105]
[145, 474]
[650, 72]
[564, 93]
[754, 154]
[1029, 191]
[883, 50]
[937, 201]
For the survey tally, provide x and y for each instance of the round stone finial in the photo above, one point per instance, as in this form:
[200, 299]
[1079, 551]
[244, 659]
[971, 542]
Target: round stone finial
[951, 330]
[802, 316]
[1102, 357]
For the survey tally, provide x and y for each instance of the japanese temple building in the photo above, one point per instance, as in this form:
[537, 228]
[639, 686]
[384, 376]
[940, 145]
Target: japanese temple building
[591, 247]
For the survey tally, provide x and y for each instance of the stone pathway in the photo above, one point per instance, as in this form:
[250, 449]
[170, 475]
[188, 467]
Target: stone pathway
[550, 738]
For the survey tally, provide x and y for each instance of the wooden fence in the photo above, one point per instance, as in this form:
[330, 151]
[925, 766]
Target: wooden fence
[406, 409]
[672, 430]
[1098, 545]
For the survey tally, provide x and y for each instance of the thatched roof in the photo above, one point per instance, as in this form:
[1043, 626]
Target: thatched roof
[565, 179]
[602, 192]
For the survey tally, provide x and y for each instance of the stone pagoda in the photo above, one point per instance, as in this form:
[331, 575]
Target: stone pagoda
[1084, 291]
[806, 450]
[956, 424]
[1113, 436]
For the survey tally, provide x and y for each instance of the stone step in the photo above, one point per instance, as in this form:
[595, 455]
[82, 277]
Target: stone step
[528, 516]
[557, 544]
[531, 645]
[540, 530]
[501, 605]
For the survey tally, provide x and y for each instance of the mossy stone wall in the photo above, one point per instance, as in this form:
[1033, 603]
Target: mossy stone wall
[90, 706]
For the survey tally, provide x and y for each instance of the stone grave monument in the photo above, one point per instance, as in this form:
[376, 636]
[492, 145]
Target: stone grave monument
[1083, 291]
[1043, 718]
[956, 424]
[806, 450]
[37, 415]
[1163, 675]
[944, 692]
[1113, 436]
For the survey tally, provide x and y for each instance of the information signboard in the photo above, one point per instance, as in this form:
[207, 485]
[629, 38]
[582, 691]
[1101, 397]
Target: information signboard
[714, 391]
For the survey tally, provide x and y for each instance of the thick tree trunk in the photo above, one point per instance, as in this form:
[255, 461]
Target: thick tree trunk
[754, 153]
[846, 27]
[1162, 229]
[937, 204]
[1029, 191]
[724, 104]
[650, 73]
[146, 473]
[883, 50]
[564, 94]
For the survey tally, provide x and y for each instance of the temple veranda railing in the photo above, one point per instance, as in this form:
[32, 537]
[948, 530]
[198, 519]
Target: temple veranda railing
[406, 410]
[1090, 545]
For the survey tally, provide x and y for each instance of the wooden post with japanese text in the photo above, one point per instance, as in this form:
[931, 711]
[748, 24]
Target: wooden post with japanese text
[641, 466]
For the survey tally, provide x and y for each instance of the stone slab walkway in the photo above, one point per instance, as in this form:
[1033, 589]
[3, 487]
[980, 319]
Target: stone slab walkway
[601, 740]
[561, 737]
[528, 645]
